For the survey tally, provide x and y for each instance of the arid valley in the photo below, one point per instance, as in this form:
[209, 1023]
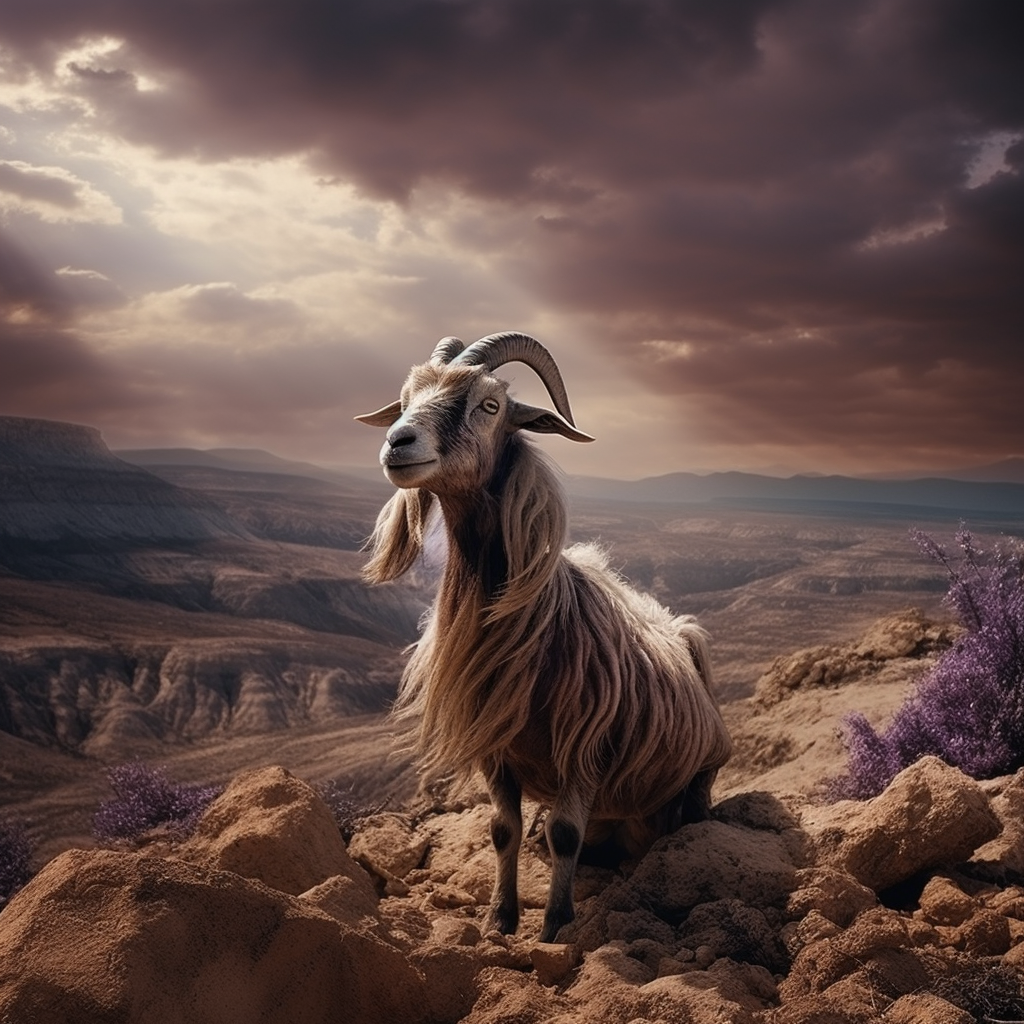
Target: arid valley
[205, 611]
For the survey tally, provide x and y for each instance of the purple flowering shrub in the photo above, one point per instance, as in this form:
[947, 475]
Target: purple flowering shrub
[15, 853]
[144, 799]
[969, 709]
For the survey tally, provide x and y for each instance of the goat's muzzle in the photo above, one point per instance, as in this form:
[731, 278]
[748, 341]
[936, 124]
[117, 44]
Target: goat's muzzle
[404, 456]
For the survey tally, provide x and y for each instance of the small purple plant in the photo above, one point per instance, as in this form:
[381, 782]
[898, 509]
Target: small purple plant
[145, 799]
[969, 710]
[15, 854]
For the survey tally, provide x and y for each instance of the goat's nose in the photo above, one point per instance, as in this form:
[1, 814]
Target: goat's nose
[402, 436]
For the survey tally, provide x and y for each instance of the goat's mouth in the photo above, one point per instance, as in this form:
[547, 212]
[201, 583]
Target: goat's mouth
[408, 474]
[394, 463]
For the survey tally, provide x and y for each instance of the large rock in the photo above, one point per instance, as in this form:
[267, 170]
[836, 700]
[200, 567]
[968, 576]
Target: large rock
[1003, 857]
[103, 936]
[387, 845]
[271, 826]
[930, 815]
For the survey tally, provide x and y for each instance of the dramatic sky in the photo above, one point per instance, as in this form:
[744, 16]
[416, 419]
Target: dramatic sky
[756, 234]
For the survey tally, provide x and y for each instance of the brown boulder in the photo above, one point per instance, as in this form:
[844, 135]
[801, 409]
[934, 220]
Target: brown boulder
[386, 845]
[985, 934]
[271, 826]
[104, 936]
[553, 961]
[943, 902]
[835, 895]
[1003, 857]
[930, 815]
[926, 1008]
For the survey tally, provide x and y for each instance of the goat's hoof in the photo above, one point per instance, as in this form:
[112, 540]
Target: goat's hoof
[502, 921]
[553, 925]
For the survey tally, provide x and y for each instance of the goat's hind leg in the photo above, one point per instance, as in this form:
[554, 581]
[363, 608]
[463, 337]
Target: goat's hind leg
[506, 835]
[565, 828]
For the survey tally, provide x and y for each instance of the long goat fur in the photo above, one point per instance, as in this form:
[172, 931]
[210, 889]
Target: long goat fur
[528, 640]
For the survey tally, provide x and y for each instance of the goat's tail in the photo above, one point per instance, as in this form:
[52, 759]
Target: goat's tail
[696, 639]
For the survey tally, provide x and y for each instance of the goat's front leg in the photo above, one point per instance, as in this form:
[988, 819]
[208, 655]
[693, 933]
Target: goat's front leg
[507, 835]
[564, 830]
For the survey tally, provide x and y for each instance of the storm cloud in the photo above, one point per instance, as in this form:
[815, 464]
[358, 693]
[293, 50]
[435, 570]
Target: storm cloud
[796, 225]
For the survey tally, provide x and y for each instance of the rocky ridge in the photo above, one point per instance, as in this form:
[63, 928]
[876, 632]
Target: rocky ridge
[61, 484]
[907, 908]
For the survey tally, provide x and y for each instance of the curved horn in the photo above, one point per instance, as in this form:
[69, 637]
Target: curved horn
[512, 347]
[446, 350]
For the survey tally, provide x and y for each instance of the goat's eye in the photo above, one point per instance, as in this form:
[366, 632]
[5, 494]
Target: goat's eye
[490, 405]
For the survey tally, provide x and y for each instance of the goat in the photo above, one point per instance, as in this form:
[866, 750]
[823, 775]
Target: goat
[539, 667]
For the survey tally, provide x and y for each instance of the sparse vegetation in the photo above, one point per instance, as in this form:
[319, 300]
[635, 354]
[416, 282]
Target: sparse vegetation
[146, 799]
[969, 710]
[15, 854]
[347, 808]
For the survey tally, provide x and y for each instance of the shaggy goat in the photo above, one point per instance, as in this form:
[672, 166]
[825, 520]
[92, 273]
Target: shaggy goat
[540, 667]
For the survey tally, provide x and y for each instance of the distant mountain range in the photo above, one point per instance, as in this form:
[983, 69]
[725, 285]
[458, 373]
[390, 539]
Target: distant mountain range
[1006, 471]
[245, 460]
[993, 489]
[807, 492]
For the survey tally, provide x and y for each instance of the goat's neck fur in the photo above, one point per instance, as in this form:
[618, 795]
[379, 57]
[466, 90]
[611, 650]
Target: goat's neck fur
[468, 685]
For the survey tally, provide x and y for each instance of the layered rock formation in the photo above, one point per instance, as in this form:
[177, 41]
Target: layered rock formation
[104, 698]
[864, 912]
[61, 484]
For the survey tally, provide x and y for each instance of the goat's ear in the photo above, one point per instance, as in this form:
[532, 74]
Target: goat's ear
[382, 417]
[544, 421]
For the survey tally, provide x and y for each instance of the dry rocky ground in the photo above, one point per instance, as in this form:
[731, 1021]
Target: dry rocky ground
[907, 908]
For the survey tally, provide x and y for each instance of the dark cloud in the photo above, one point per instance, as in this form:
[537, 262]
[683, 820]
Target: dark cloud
[26, 289]
[793, 195]
[481, 93]
[46, 370]
[50, 373]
